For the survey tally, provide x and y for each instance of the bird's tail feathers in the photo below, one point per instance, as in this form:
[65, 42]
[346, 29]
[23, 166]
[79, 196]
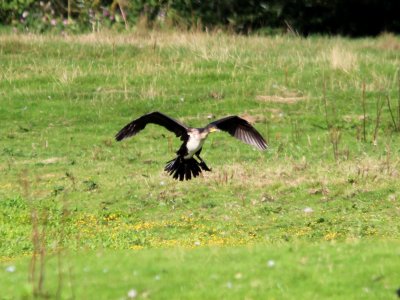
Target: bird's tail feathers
[183, 169]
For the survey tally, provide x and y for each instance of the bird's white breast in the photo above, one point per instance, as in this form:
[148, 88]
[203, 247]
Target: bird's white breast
[193, 145]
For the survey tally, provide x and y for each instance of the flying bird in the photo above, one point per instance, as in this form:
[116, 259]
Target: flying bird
[185, 165]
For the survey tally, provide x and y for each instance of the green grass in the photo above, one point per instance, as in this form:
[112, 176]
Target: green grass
[328, 271]
[63, 99]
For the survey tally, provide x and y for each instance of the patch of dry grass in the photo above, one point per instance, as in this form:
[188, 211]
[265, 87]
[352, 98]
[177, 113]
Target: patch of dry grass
[279, 99]
[389, 41]
[346, 175]
[342, 59]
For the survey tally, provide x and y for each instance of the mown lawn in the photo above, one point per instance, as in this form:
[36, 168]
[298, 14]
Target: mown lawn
[314, 217]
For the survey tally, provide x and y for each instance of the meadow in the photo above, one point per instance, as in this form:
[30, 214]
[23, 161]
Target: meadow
[85, 217]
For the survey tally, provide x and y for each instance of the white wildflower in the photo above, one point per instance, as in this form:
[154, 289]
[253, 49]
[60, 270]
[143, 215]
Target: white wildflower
[271, 263]
[132, 294]
[308, 210]
[11, 269]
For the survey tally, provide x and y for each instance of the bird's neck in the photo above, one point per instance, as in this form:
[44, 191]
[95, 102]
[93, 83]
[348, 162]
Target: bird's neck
[198, 134]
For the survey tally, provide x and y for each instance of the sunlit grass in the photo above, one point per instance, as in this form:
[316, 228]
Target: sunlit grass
[319, 186]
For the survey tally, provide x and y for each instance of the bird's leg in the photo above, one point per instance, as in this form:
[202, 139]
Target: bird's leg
[202, 163]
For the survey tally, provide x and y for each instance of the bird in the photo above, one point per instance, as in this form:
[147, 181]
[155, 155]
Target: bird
[185, 166]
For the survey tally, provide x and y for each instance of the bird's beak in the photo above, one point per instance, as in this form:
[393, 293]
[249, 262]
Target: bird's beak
[214, 129]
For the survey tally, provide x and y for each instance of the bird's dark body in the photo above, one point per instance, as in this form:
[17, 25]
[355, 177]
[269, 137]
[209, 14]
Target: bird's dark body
[185, 166]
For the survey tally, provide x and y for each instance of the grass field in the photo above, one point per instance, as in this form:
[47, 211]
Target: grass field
[85, 217]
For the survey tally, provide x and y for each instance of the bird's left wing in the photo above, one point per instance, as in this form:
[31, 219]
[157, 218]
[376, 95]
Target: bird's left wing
[242, 130]
[156, 117]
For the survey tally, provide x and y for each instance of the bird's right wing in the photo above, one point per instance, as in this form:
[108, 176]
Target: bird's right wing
[156, 117]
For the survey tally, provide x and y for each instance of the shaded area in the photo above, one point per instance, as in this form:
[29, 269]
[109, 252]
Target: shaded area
[339, 17]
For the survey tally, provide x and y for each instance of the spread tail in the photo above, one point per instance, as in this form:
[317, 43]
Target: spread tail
[183, 169]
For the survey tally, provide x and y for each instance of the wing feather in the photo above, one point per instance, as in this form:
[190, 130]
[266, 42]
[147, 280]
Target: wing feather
[157, 118]
[242, 130]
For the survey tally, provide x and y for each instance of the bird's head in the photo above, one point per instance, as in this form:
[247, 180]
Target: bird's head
[212, 128]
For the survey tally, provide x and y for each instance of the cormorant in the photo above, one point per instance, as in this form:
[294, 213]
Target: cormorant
[185, 166]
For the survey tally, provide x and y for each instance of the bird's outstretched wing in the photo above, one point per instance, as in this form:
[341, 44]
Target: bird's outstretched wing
[242, 130]
[156, 117]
